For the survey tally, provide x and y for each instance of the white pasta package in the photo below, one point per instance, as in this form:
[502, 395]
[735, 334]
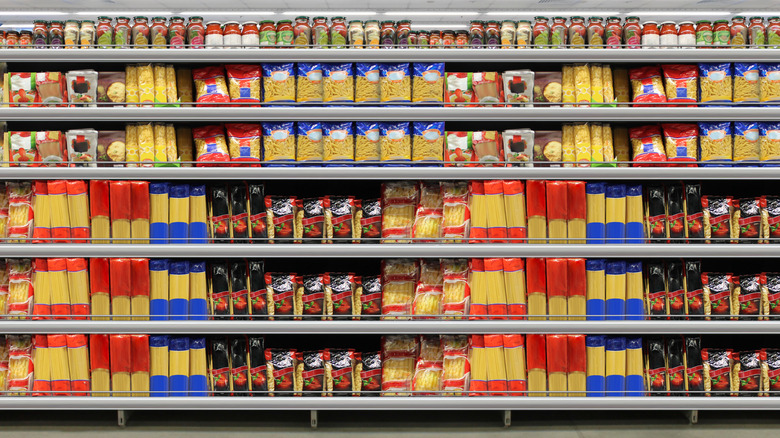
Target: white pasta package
[398, 364]
[429, 215]
[399, 201]
[429, 292]
[455, 288]
[457, 368]
[399, 279]
[456, 212]
[430, 366]
[20, 364]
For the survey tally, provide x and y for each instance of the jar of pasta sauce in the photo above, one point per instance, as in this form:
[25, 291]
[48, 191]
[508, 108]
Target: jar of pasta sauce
[757, 32]
[387, 35]
[651, 35]
[492, 35]
[372, 34]
[56, 38]
[402, 31]
[12, 39]
[40, 34]
[739, 32]
[686, 35]
[71, 34]
[140, 33]
[284, 33]
[669, 35]
[214, 36]
[703, 33]
[435, 39]
[578, 33]
[105, 33]
[461, 39]
[524, 34]
[159, 32]
[356, 34]
[196, 33]
[721, 33]
[541, 32]
[476, 34]
[632, 33]
[25, 38]
[559, 33]
[267, 33]
[320, 32]
[508, 33]
[301, 32]
[448, 39]
[2, 38]
[87, 34]
[773, 32]
[231, 35]
[596, 32]
[413, 39]
[613, 33]
[338, 32]
[177, 33]
[423, 39]
[250, 35]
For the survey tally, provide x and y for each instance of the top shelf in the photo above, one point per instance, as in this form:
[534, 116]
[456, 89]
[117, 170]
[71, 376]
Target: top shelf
[644, 56]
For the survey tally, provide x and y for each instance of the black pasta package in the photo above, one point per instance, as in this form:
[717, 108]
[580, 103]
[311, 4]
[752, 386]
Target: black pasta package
[371, 221]
[694, 225]
[371, 374]
[675, 289]
[280, 369]
[693, 367]
[371, 297]
[772, 372]
[675, 365]
[311, 220]
[747, 212]
[747, 299]
[239, 370]
[220, 290]
[694, 295]
[656, 367]
[239, 214]
[656, 290]
[257, 290]
[258, 226]
[311, 372]
[311, 296]
[257, 368]
[749, 373]
[675, 213]
[220, 367]
[239, 293]
[656, 214]
[220, 214]
[342, 363]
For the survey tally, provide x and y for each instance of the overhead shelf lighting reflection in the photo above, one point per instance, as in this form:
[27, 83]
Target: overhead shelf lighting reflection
[431, 13]
[90, 13]
[679, 13]
[329, 13]
[5, 13]
[531, 13]
[238, 13]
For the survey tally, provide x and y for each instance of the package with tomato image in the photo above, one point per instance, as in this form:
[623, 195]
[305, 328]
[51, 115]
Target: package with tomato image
[239, 214]
[210, 85]
[456, 212]
[310, 296]
[656, 290]
[681, 82]
[487, 147]
[339, 219]
[681, 141]
[219, 358]
[747, 299]
[675, 213]
[747, 367]
[244, 83]
[717, 370]
[371, 297]
[747, 216]
[429, 369]
[459, 89]
[370, 220]
[770, 294]
[219, 213]
[429, 293]
[771, 372]
[770, 219]
[459, 149]
[694, 383]
[656, 214]
[280, 294]
[21, 148]
[647, 85]
[694, 215]
[257, 289]
[647, 145]
[340, 290]
[519, 87]
[656, 367]
[370, 373]
[257, 369]
[210, 145]
[675, 290]
[280, 371]
[675, 365]
[717, 290]
[244, 142]
[339, 374]
[399, 201]
[694, 294]
[21, 89]
[717, 214]
[280, 218]
[310, 371]
[257, 215]
[239, 292]
[219, 290]
[239, 368]
[310, 220]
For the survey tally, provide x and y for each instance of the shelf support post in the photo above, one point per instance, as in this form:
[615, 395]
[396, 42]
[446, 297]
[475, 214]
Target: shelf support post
[693, 417]
[507, 418]
[313, 418]
[121, 418]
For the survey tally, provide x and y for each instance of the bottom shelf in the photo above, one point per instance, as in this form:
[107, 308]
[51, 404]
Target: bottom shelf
[391, 403]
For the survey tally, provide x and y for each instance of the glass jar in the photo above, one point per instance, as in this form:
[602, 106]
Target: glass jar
[196, 33]
[12, 39]
[651, 35]
[578, 33]
[559, 33]
[461, 39]
[524, 34]
[721, 33]
[87, 34]
[338, 32]
[703, 33]
[301, 32]
[140, 33]
[284, 33]
[268, 33]
[159, 33]
[231, 35]
[56, 35]
[387, 35]
[25, 39]
[71, 34]
[423, 39]
[402, 31]
[613, 32]
[739, 32]
[757, 32]
[214, 36]
[250, 35]
[435, 39]
[541, 33]
[508, 33]
[686, 35]
[105, 33]
[476, 34]
[40, 34]
[492, 34]
[632, 33]
[177, 33]
[319, 32]
[773, 33]
[412, 39]
[2, 38]
[373, 34]
[356, 34]
[669, 35]
[596, 32]
[448, 39]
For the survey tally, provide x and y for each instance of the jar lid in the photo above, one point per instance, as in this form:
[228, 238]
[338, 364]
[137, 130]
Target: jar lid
[668, 22]
[99, 19]
[321, 18]
[338, 18]
[686, 22]
[140, 18]
[285, 22]
[578, 18]
[493, 22]
[562, 18]
[355, 21]
[632, 18]
[196, 18]
[508, 21]
[738, 17]
[541, 18]
[213, 22]
[390, 22]
[177, 18]
[123, 18]
[651, 22]
[87, 21]
[721, 21]
[267, 21]
[231, 23]
[249, 23]
[757, 18]
[524, 21]
[158, 19]
[703, 21]
[613, 18]
[302, 17]
[59, 22]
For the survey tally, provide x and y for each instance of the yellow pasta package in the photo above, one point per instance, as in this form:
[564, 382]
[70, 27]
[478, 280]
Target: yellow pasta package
[131, 84]
[399, 353]
[400, 201]
[146, 143]
[715, 142]
[338, 82]
[596, 83]
[170, 84]
[748, 143]
[132, 149]
[244, 83]
[184, 145]
[367, 87]
[582, 84]
[145, 84]
[621, 85]
[309, 82]
[582, 144]
[746, 82]
[609, 87]
[620, 143]
[428, 82]
[456, 364]
[278, 82]
[715, 82]
[567, 85]
[769, 82]
[160, 84]
[309, 145]
[395, 83]
[429, 216]
[770, 141]
[184, 88]
[210, 85]
[429, 293]
[160, 143]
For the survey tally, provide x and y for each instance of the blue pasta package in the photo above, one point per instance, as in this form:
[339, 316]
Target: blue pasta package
[747, 145]
[279, 143]
[715, 144]
[367, 82]
[770, 143]
[367, 137]
[308, 82]
[394, 82]
[338, 143]
[338, 82]
[715, 83]
[428, 142]
[309, 143]
[395, 143]
[769, 82]
[428, 82]
[746, 88]
[279, 82]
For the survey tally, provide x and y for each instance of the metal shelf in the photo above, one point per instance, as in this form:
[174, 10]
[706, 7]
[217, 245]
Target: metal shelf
[391, 403]
[211, 251]
[390, 113]
[391, 327]
[391, 173]
[388, 55]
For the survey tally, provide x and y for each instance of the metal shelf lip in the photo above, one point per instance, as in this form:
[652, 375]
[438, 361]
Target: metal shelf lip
[389, 327]
[392, 403]
[388, 55]
[390, 173]
[390, 113]
[211, 251]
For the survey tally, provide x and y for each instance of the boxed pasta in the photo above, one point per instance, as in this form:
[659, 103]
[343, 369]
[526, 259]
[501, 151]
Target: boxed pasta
[428, 141]
[244, 142]
[244, 82]
[746, 82]
[111, 148]
[338, 82]
[487, 148]
[769, 133]
[309, 82]
[770, 218]
[548, 149]
[715, 144]
[367, 88]
[487, 88]
[51, 89]
[547, 87]
[428, 82]
[309, 144]
[717, 291]
[395, 83]
[518, 147]
[278, 143]
[50, 147]
[647, 85]
[647, 145]
[210, 85]
[769, 82]
[111, 87]
[747, 143]
[459, 149]
[715, 83]
[717, 367]
[747, 216]
[395, 144]
[519, 87]
[717, 218]
[278, 82]
[338, 143]
[459, 89]
[681, 83]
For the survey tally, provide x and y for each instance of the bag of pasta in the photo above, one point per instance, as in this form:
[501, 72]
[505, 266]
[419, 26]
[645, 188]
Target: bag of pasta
[681, 82]
[398, 356]
[430, 366]
[367, 139]
[715, 83]
[428, 82]
[279, 82]
[309, 142]
[338, 82]
[769, 82]
[210, 85]
[457, 216]
[399, 277]
[582, 83]
[399, 200]
[309, 82]
[746, 82]
[459, 91]
[367, 87]
[429, 291]
[457, 369]
[244, 82]
[428, 142]
[244, 141]
[647, 145]
[430, 211]
[395, 143]
[647, 85]
[210, 145]
[395, 83]
[770, 143]
[747, 142]
[715, 144]
[488, 89]
[682, 140]
[338, 143]
[279, 143]
[717, 219]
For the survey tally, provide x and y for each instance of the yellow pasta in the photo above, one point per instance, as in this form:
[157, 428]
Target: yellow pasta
[309, 86]
[569, 154]
[59, 365]
[567, 85]
[424, 149]
[41, 362]
[428, 87]
[131, 84]
[184, 85]
[132, 148]
[621, 85]
[281, 145]
[395, 148]
[396, 86]
[609, 88]
[280, 86]
[184, 151]
[596, 142]
[715, 90]
[582, 84]
[160, 84]
[596, 83]
[146, 144]
[160, 143]
[338, 85]
[582, 144]
[367, 87]
[338, 148]
[746, 147]
[146, 84]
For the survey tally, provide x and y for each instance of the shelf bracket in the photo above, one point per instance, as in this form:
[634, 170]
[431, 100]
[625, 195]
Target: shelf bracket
[693, 417]
[121, 418]
[314, 419]
[507, 418]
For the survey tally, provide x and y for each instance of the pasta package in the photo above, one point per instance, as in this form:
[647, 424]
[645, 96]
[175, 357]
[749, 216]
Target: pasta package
[428, 141]
[582, 83]
[647, 145]
[487, 87]
[210, 86]
[769, 82]
[244, 82]
[622, 86]
[398, 356]
[596, 83]
[399, 279]
[459, 89]
[747, 142]
[647, 84]
[370, 217]
[770, 141]
[457, 368]
[429, 215]
[309, 82]
[681, 141]
[717, 214]
[455, 197]
[278, 142]
[339, 219]
[309, 144]
[546, 87]
[210, 144]
[567, 85]
[717, 367]
[399, 200]
[367, 141]
[338, 82]
[582, 144]
[279, 82]
[160, 85]
[770, 217]
[548, 148]
[715, 143]
[338, 142]
[394, 82]
[746, 82]
[429, 293]
[519, 147]
[428, 82]
[715, 83]
[395, 143]
[244, 141]
[367, 88]
[681, 82]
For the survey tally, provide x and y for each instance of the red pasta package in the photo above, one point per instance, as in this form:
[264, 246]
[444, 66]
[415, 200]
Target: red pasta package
[210, 85]
[398, 356]
[244, 83]
[681, 141]
[681, 82]
[455, 276]
[399, 277]
[244, 142]
[430, 366]
[399, 201]
[647, 85]
[430, 211]
[647, 145]
[430, 291]
[457, 216]
[210, 144]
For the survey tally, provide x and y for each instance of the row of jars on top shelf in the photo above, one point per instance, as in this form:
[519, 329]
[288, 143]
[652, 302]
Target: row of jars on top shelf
[373, 34]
